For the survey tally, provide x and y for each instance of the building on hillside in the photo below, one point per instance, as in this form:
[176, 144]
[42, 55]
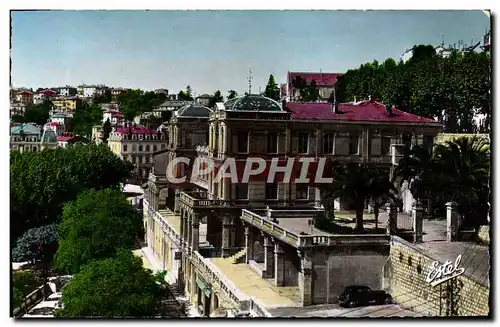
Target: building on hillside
[66, 139]
[67, 103]
[44, 95]
[67, 91]
[191, 223]
[204, 99]
[161, 91]
[115, 117]
[325, 83]
[137, 144]
[62, 118]
[170, 105]
[31, 138]
[117, 91]
[90, 91]
[57, 127]
[17, 109]
[24, 97]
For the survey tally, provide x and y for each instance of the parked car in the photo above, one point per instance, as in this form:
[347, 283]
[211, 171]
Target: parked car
[358, 296]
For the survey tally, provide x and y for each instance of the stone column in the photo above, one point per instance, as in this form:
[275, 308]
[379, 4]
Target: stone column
[248, 244]
[269, 256]
[182, 223]
[452, 222]
[417, 215]
[194, 287]
[318, 142]
[177, 201]
[392, 222]
[305, 278]
[226, 236]
[317, 197]
[288, 141]
[195, 234]
[189, 229]
[279, 265]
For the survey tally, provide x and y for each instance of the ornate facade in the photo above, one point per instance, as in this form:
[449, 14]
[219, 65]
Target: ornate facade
[190, 224]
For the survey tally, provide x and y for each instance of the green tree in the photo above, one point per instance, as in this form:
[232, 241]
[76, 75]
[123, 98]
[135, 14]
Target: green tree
[38, 113]
[40, 182]
[85, 117]
[106, 130]
[272, 90]
[114, 287]
[38, 246]
[217, 97]
[23, 283]
[357, 184]
[17, 119]
[232, 94]
[185, 96]
[95, 226]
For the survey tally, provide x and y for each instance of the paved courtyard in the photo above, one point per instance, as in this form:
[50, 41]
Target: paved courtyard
[252, 285]
[334, 310]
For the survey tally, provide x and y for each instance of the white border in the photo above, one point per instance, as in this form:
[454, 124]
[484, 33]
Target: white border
[186, 4]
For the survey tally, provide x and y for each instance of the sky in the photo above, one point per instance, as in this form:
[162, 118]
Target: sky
[214, 50]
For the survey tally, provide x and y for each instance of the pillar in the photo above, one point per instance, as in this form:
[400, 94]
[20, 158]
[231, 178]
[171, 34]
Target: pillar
[305, 278]
[269, 256]
[177, 201]
[194, 287]
[248, 245]
[317, 197]
[318, 142]
[417, 215]
[392, 222]
[279, 265]
[195, 231]
[189, 229]
[452, 222]
[226, 236]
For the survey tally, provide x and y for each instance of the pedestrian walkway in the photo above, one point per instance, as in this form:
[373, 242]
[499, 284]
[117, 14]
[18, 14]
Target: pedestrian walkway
[151, 262]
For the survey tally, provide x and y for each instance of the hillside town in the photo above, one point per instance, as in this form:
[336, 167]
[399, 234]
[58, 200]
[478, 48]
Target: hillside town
[360, 193]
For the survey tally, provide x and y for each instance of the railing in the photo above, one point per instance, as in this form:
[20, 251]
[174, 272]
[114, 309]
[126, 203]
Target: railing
[219, 283]
[258, 309]
[264, 224]
[200, 199]
[165, 227]
[32, 300]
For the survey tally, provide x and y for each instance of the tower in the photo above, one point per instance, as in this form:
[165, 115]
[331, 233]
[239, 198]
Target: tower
[250, 78]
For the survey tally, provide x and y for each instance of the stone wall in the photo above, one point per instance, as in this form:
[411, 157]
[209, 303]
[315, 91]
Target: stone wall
[405, 278]
[483, 234]
[333, 270]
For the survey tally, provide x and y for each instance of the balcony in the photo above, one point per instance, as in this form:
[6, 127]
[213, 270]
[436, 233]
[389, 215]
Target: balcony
[297, 240]
[201, 200]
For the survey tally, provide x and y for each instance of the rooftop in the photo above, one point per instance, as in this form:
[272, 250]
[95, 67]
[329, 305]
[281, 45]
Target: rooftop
[135, 129]
[27, 129]
[322, 79]
[252, 102]
[368, 111]
[194, 110]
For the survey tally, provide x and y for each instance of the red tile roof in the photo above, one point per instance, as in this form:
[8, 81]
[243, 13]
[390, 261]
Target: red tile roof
[365, 111]
[135, 130]
[53, 124]
[64, 138]
[48, 92]
[322, 79]
[26, 93]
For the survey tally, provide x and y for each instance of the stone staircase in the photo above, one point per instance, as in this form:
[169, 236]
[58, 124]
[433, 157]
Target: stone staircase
[238, 257]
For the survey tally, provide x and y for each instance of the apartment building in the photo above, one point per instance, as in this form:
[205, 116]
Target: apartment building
[31, 138]
[24, 97]
[325, 82]
[136, 144]
[67, 91]
[67, 103]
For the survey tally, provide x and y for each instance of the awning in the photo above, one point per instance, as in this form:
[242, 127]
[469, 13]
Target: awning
[203, 286]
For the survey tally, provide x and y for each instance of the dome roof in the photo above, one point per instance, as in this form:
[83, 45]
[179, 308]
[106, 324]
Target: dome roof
[194, 110]
[252, 102]
[49, 136]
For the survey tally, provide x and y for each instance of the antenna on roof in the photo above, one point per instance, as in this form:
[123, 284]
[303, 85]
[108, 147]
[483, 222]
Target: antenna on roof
[250, 78]
[442, 40]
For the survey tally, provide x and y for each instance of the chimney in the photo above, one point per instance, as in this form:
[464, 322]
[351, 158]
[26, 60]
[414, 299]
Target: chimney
[283, 104]
[388, 109]
[333, 101]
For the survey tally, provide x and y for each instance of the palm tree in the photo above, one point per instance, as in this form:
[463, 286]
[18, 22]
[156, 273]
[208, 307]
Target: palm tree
[466, 162]
[357, 183]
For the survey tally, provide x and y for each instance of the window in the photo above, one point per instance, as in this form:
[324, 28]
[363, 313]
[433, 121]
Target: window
[34, 149]
[406, 140]
[303, 142]
[154, 148]
[242, 191]
[163, 146]
[302, 191]
[147, 159]
[353, 144]
[272, 142]
[385, 145]
[271, 192]
[124, 148]
[242, 142]
[328, 142]
[140, 148]
[147, 148]
[134, 148]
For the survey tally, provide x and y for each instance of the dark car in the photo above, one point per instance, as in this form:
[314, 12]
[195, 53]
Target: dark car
[358, 296]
